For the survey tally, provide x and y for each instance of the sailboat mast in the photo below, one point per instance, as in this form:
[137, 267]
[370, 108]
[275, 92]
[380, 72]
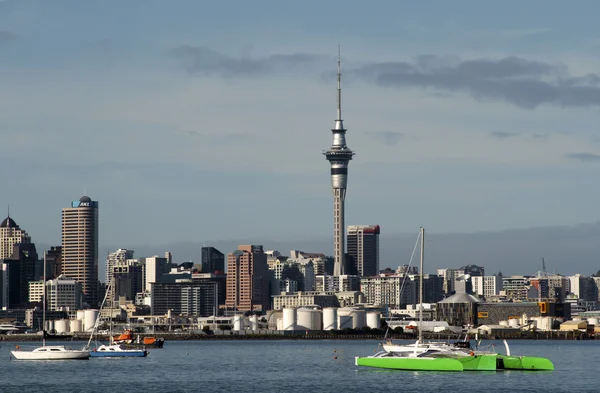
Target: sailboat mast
[44, 305]
[421, 285]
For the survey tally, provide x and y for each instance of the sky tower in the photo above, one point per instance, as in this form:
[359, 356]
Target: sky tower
[338, 156]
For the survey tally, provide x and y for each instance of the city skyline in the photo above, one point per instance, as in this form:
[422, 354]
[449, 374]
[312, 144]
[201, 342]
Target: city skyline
[447, 140]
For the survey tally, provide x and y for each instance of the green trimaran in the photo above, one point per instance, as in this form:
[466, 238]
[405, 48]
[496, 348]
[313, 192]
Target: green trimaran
[439, 356]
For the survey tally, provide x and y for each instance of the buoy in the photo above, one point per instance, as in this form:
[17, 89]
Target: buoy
[472, 353]
[335, 357]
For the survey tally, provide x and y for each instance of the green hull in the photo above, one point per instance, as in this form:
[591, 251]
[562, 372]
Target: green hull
[465, 363]
[478, 362]
[530, 363]
[413, 364]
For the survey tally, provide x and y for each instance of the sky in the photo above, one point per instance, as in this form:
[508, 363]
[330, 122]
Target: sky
[199, 121]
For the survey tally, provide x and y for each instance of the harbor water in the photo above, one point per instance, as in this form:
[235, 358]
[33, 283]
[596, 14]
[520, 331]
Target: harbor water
[290, 366]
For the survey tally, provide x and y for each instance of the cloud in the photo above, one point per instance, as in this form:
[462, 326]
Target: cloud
[503, 134]
[7, 36]
[386, 137]
[523, 83]
[202, 60]
[584, 157]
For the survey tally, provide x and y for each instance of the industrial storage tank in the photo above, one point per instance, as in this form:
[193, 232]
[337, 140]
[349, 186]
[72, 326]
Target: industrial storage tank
[254, 323]
[289, 318]
[359, 319]
[81, 316]
[503, 323]
[514, 322]
[279, 324]
[593, 321]
[61, 326]
[75, 325]
[330, 319]
[373, 320]
[89, 319]
[238, 323]
[308, 319]
[344, 322]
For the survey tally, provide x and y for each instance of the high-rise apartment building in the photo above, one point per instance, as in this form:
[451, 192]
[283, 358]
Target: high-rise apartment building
[363, 248]
[80, 246]
[153, 270]
[248, 279]
[11, 234]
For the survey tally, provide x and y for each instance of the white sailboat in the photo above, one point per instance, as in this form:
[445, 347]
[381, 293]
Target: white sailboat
[420, 347]
[49, 352]
[112, 349]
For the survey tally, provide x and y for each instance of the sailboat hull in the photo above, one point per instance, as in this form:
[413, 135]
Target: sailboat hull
[412, 364]
[525, 363]
[117, 351]
[51, 353]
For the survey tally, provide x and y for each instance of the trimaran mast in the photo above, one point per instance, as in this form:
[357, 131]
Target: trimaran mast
[44, 306]
[421, 286]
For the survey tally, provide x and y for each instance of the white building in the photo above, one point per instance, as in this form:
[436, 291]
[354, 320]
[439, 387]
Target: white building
[154, 268]
[396, 290]
[487, 286]
[3, 286]
[64, 294]
[450, 276]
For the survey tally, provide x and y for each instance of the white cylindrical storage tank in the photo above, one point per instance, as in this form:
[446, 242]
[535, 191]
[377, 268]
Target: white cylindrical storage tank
[503, 323]
[90, 319]
[373, 319]
[80, 315]
[359, 319]
[61, 326]
[49, 326]
[514, 322]
[345, 322]
[279, 324]
[576, 319]
[524, 319]
[238, 323]
[254, 323]
[330, 318]
[289, 318]
[75, 325]
[593, 321]
[307, 319]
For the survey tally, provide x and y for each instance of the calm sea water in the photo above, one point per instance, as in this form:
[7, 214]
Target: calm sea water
[291, 366]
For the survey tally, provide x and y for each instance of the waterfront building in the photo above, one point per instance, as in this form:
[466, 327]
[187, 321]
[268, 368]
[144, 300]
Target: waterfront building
[363, 248]
[219, 278]
[396, 291]
[64, 294]
[80, 246]
[339, 155]
[320, 299]
[213, 260]
[185, 298]
[248, 279]
[341, 283]
[11, 234]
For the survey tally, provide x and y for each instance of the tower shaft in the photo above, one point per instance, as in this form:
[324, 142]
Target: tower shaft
[338, 156]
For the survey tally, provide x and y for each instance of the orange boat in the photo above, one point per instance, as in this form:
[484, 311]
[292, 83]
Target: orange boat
[124, 338]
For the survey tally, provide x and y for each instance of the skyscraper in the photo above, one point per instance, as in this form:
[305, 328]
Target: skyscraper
[338, 156]
[121, 255]
[213, 260]
[11, 234]
[363, 248]
[80, 246]
[248, 279]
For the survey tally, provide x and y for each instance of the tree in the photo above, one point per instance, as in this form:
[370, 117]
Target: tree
[206, 329]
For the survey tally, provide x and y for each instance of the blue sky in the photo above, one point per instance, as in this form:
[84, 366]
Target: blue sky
[204, 121]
